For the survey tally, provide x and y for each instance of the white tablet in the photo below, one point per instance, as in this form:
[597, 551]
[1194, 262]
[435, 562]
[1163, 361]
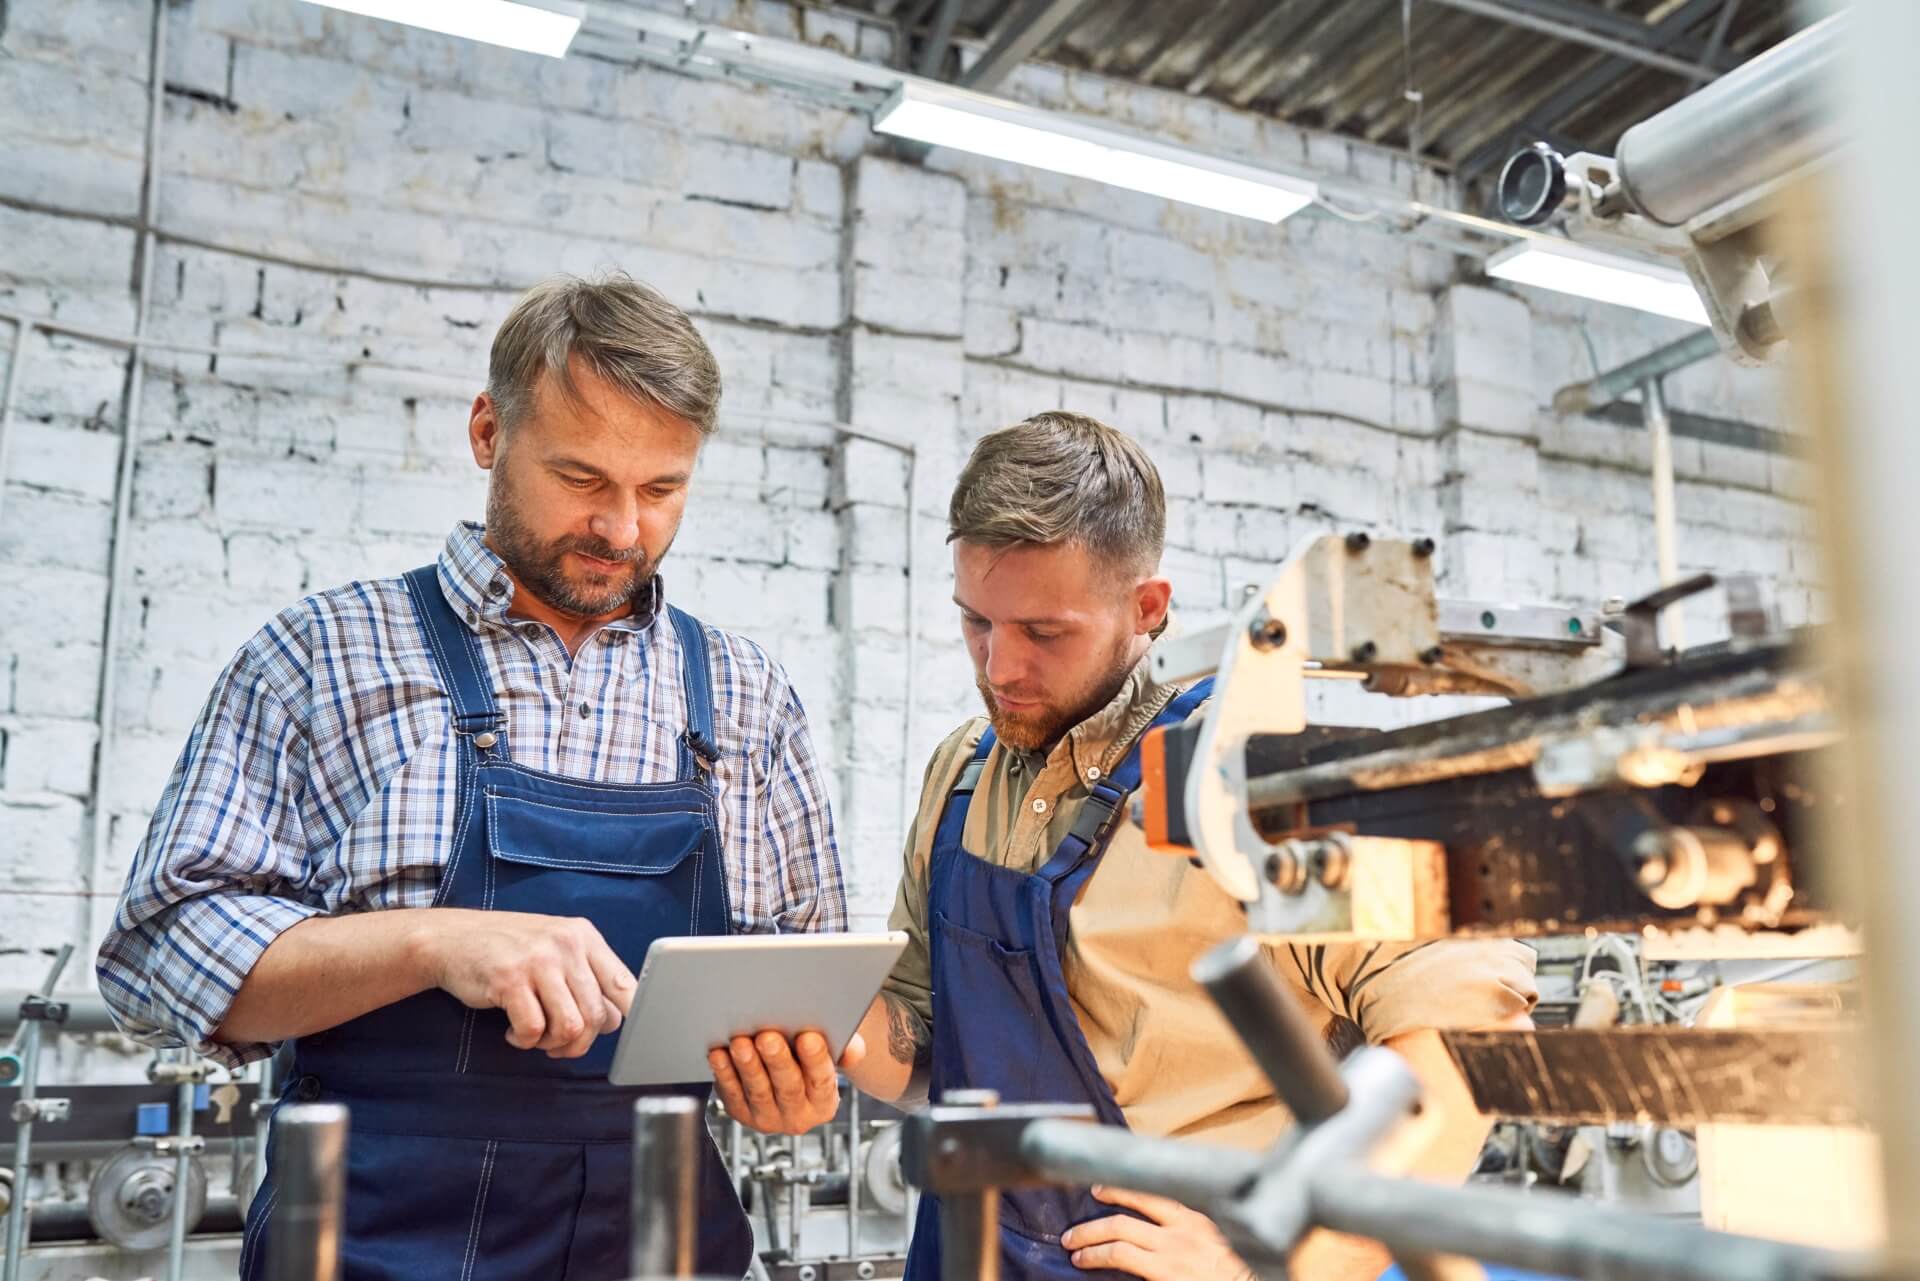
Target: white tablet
[696, 993]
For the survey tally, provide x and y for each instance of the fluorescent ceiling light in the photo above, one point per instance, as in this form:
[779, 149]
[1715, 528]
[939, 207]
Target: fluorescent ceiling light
[1576, 269]
[539, 26]
[988, 126]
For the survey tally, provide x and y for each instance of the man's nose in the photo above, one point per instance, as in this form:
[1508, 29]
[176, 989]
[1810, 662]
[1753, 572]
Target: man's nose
[1006, 661]
[617, 523]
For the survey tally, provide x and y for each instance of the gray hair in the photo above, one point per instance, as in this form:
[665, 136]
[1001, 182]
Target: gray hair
[1060, 477]
[623, 331]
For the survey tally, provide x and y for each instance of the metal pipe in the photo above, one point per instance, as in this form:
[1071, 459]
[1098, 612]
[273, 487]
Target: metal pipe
[1666, 528]
[970, 1235]
[22, 1151]
[86, 1012]
[855, 1172]
[309, 1178]
[182, 1163]
[1745, 130]
[24, 1113]
[16, 360]
[1288, 1048]
[1074, 1153]
[1538, 1233]
[1581, 35]
[1603, 389]
[103, 905]
[262, 1127]
[666, 1159]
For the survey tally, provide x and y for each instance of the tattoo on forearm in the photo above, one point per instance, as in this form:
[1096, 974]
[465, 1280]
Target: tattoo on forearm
[909, 1039]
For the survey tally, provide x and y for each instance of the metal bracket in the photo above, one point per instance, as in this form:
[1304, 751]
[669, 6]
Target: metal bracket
[173, 1072]
[39, 1008]
[25, 1110]
[946, 1149]
[172, 1144]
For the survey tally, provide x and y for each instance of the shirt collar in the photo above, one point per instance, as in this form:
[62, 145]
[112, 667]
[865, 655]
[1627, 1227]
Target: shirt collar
[480, 590]
[1102, 739]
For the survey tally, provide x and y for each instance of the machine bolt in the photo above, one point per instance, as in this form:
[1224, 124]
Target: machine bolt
[1423, 547]
[1359, 540]
[1331, 862]
[1287, 870]
[1364, 652]
[1432, 655]
[1650, 868]
[1265, 632]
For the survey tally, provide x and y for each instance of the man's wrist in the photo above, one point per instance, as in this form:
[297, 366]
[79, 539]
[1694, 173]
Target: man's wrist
[420, 947]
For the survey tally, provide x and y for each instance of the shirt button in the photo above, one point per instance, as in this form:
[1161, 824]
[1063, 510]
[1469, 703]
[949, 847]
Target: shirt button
[531, 629]
[498, 587]
[307, 1089]
[586, 710]
[472, 618]
[1093, 773]
[1039, 805]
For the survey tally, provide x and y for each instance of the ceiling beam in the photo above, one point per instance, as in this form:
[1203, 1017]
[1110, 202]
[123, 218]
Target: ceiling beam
[1568, 21]
[934, 52]
[1026, 33]
[1669, 33]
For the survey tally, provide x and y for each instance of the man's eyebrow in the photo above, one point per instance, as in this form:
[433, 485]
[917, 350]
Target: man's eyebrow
[1046, 620]
[575, 464]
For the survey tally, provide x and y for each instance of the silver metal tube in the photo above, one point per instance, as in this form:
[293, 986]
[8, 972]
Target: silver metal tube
[262, 1126]
[666, 1162]
[22, 1152]
[16, 361]
[86, 1012]
[102, 905]
[182, 1163]
[970, 1236]
[309, 1178]
[855, 1171]
[1666, 526]
[1192, 1173]
[1541, 1234]
[1750, 127]
[1615, 384]
[1285, 1044]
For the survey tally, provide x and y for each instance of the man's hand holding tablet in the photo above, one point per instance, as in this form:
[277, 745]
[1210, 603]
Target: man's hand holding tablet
[777, 1088]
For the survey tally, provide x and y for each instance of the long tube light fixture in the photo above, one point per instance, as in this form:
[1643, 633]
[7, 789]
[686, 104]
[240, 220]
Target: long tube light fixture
[1571, 268]
[534, 26]
[1001, 130]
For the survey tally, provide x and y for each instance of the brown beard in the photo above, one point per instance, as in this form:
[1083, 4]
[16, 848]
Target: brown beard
[1044, 728]
[541, 568]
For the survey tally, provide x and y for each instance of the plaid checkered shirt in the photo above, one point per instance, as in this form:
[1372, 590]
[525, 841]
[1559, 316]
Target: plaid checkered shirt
[321, 776]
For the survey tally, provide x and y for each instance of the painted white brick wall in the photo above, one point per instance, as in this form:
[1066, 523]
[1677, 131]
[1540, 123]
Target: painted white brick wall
[379, 196]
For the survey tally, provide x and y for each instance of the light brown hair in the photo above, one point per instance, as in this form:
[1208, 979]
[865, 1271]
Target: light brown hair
[1060, 477]
[623, 331]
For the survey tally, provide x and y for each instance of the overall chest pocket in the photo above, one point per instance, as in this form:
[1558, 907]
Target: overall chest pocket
[637, 876]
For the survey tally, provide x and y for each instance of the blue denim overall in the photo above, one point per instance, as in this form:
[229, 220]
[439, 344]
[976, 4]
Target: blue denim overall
[1002, 1019]
[469, 1160]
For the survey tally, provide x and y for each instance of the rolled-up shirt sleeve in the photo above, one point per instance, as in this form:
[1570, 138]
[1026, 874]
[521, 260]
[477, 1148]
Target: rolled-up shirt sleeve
[221, 871]
[1392, 988]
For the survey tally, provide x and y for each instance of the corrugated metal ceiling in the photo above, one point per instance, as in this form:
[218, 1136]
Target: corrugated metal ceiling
[1491, 75]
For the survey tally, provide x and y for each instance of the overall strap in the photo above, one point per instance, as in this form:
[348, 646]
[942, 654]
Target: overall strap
[457, 655]
[1094, 826]
[949, 833]
[697, 745]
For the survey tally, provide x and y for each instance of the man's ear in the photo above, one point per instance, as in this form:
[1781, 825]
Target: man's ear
[1152, 598]
[485, 433]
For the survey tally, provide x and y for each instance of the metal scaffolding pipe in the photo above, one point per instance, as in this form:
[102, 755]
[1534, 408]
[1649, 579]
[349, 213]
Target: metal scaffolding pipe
[1603, 389]
[1666, 529]
[309, 1180]
[666, 1158]
[1747, 129]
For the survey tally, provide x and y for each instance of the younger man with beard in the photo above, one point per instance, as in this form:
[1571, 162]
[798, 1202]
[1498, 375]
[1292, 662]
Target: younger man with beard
[1050, 967]
[428, 826]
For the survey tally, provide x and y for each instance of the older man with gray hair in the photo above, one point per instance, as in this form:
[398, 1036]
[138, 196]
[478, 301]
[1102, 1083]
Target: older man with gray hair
[427, 827]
